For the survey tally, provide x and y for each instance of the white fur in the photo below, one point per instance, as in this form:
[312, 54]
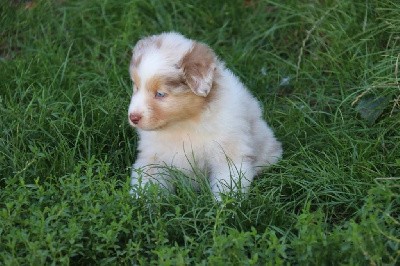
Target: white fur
[230, 141]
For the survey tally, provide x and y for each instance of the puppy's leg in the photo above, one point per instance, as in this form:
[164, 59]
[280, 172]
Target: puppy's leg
[231, 176]
[139, 175]
[145, 172]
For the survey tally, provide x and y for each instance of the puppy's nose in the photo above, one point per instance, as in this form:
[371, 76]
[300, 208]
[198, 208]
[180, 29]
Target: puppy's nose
[135, 118]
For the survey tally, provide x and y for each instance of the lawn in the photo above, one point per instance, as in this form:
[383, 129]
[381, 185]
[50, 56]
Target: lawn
[326, 72]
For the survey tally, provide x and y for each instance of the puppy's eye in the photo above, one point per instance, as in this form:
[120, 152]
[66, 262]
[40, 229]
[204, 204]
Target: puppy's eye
[160, 94]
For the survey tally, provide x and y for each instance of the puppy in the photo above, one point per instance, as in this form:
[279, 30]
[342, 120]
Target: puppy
[192, 113]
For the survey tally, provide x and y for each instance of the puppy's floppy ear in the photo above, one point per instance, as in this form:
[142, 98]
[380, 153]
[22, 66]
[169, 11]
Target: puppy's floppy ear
[199, 66]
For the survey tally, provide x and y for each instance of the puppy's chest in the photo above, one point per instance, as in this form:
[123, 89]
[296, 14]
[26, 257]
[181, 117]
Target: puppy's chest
[183, 150]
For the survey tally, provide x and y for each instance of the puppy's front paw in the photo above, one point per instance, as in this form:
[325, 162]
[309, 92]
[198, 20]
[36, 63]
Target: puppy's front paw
[136, 187]
[221, 189]
[218, 190]
[217, 196]
[137, 182]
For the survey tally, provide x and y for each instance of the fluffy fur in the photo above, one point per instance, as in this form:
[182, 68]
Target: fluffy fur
[190, 112]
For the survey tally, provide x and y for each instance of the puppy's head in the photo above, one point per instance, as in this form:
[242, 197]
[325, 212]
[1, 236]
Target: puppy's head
[172, 77]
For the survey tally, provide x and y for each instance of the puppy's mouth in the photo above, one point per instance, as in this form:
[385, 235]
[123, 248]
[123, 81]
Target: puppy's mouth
[143, 126]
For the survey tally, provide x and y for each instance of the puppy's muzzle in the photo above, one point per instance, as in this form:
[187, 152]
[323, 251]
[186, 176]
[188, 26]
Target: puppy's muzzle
[135, 118]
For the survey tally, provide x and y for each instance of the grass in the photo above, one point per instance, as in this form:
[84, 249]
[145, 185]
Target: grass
[327, 73]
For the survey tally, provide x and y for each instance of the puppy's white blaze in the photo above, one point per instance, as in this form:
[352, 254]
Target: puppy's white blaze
[161, 60]
[152, 63]
[138, 103]
[176, 43]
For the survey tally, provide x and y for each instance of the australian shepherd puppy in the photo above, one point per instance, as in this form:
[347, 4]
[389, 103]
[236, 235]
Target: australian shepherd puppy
[190, 112]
